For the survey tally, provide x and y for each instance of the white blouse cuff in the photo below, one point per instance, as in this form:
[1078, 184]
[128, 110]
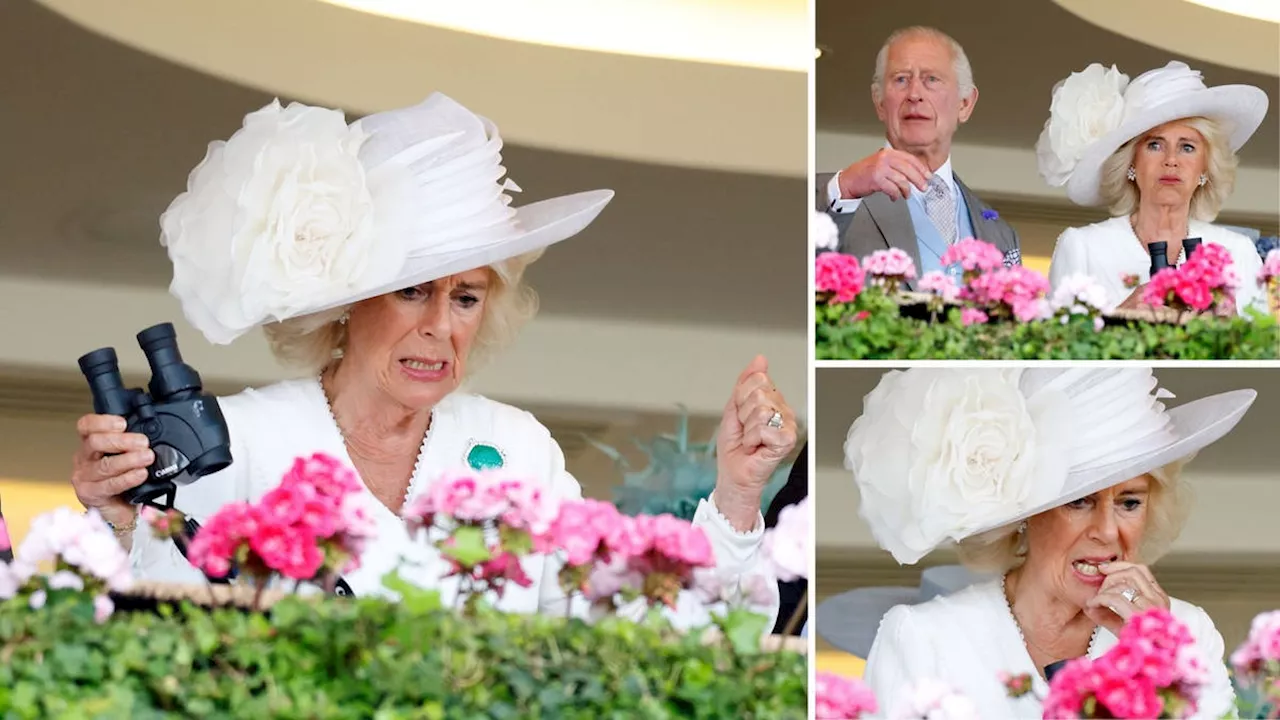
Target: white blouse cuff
[708, 513]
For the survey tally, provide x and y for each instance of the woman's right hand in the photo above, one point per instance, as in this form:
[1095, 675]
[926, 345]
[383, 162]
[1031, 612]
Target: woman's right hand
[108, 462]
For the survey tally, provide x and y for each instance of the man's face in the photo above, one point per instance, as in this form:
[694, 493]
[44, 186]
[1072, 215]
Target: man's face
[920, 103]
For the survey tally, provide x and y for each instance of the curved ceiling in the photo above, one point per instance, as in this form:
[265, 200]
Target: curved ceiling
[634, 104]
[1258, 9]
[105, 135]
[1242, 34]
[753, 33]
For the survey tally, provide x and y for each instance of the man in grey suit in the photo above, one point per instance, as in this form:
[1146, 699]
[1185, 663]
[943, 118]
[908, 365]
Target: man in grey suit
[906, 195]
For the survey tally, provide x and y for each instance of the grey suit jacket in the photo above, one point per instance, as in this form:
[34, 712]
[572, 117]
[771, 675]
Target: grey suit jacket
[880, 223]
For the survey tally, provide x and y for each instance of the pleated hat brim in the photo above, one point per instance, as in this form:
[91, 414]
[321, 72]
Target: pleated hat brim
[542, 224]
[1194, 426]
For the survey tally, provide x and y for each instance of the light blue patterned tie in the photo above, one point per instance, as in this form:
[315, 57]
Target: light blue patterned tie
[940, 205]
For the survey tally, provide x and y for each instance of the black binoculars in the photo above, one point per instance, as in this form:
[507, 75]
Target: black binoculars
[184, 425]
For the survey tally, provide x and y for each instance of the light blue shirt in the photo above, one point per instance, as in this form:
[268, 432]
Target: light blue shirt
[930, 241]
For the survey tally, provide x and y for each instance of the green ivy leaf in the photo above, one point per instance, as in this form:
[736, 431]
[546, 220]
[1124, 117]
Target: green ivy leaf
[414, 598]
[874, 327]
[468, 546]
[331, 658]
[744, 629]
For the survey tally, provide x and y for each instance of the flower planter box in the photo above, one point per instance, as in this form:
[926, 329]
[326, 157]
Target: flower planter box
[86, 640]
[913, 325]
[925, 306]
[163, 653]
[1011, 312]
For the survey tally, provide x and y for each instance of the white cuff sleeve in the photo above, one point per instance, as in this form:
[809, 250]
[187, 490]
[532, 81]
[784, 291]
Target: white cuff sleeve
[838, 205]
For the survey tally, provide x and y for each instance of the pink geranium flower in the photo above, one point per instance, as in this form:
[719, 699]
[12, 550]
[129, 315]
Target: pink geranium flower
[1270, 268]
[974, 255]
[1152, 671]
[305, 527]
[1079, 294]
[940, 284]
[82, 550]
[971, 316]
[1015, 291]
[786, 545]
[840, 274]
[841, 698]
[1260, 652]
[606, 551]
[513, 517]
[1206, 279]
[892, 263]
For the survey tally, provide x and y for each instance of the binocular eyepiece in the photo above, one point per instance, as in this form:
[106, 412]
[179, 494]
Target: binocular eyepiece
[185, 426]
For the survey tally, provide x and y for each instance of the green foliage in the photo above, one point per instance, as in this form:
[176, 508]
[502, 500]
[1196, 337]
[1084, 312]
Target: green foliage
[873, 328]
[370, 658]
[680, 473]
[1258, 696]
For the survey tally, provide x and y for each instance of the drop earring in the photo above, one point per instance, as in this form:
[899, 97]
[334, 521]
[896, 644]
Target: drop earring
[1132, 174]
[1204, 179]
[346, 314]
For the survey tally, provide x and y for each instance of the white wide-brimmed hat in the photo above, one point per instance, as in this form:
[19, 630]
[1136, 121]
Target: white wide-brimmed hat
[300, 212]
[850, 620]
[1097, 110]
[945, 454]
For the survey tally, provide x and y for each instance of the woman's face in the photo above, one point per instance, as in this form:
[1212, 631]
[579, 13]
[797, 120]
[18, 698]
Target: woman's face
[1065, 545]
[414, 343]
[1168, 162]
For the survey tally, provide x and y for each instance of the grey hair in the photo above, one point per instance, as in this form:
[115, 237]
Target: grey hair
[1122, 197]
[1005, 548]
[313, 342]
[960, 61]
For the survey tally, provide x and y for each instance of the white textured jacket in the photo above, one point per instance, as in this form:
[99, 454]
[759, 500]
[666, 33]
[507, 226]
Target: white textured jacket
[1109, 250]
[966, 639]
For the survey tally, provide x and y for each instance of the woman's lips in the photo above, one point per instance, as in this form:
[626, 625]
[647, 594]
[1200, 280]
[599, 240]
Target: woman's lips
[1087, 571]
[425, 369]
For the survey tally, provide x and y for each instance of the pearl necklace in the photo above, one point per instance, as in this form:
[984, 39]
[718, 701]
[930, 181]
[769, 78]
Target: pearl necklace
[1182, 253]
[1004, 593]
[422, 448]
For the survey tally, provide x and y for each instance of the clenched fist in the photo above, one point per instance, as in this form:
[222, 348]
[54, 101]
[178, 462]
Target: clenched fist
[757, 432]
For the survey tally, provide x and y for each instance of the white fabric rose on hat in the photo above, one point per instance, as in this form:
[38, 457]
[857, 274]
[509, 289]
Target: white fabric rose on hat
[279, 220]
[1085, 107]
[941, 454]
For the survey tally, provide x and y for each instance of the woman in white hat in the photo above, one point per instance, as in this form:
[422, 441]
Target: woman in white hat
[1159, 153]
[384, 259]
[1064, 482]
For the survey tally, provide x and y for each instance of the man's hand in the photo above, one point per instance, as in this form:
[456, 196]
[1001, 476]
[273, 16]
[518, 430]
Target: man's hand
[889, 171]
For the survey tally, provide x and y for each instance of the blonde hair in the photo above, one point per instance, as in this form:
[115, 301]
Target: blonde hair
[312, 342]
[1121, 194]
[1169, 504]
